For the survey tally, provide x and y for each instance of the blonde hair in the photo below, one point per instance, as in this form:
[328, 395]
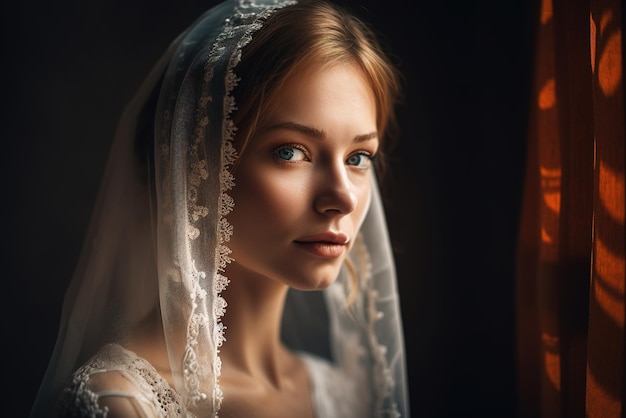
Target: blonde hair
[312, 34]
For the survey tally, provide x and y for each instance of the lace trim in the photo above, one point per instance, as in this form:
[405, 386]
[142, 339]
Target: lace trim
[80, 400]
[250, 22]
[77, 400]
[384, 403]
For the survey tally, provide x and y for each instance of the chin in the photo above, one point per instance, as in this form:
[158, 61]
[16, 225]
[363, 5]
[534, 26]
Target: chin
[310, 284]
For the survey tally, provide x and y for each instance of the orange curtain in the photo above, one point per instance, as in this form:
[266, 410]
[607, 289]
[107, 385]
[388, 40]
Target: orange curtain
[570, 263]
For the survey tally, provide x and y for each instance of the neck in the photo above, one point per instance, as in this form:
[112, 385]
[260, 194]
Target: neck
[253, 322]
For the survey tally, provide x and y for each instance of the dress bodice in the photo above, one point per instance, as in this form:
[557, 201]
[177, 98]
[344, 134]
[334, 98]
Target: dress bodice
[117, 372]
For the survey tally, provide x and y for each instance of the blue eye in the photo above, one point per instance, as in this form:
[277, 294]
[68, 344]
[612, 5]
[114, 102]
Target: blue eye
[290, 153]
[361, 160]
[286, 153]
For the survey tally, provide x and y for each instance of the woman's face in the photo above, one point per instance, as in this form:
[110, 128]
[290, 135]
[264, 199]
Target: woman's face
[303, 183]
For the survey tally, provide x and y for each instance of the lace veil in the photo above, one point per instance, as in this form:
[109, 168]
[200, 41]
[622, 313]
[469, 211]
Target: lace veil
[160, 241]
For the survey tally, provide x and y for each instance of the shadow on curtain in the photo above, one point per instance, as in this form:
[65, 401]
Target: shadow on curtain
[570, 265]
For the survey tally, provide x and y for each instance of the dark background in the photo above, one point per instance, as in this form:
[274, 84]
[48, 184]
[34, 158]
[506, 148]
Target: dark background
[453, 192]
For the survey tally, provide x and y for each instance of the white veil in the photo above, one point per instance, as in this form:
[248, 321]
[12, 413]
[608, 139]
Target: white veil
[160, 240]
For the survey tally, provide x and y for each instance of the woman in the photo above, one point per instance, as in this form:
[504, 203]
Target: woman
[240, 180]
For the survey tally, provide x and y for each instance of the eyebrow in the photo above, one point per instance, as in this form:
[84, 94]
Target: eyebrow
[316, 133]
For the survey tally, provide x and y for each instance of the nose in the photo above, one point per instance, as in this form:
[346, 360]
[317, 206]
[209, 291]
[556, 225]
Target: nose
[336, 193]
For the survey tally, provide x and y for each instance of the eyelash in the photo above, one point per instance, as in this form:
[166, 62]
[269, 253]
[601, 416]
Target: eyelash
[292, 146]
[370, 158]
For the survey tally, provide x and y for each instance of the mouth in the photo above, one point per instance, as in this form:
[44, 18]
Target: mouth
[327, 244]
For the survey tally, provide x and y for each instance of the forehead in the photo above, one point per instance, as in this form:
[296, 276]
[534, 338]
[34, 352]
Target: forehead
[328, 94]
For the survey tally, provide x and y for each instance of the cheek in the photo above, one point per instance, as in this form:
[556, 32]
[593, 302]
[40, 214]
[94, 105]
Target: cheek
[363, 195]
[267, 198]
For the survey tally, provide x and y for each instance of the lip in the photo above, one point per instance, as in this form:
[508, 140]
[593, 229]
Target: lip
[329, 237]
[327, 244]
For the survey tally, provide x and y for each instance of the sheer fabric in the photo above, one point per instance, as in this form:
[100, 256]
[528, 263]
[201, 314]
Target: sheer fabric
[160, 242]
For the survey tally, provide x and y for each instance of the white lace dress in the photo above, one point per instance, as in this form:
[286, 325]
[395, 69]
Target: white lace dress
[148, 394]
